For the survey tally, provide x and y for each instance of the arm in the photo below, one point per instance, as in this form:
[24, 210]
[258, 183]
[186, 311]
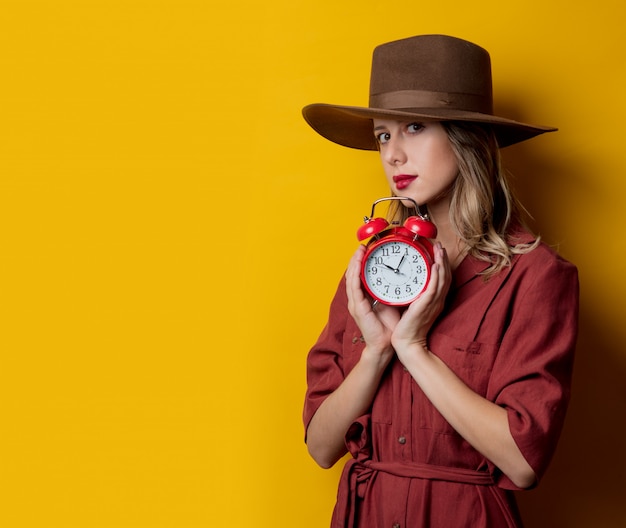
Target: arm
[353, 397]
[327, 429]
[482, 423]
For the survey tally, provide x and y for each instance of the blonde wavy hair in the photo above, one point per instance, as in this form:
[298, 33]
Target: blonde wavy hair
[484, 209]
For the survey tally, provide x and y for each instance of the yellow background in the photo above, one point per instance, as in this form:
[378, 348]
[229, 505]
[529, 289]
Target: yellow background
[172, 233]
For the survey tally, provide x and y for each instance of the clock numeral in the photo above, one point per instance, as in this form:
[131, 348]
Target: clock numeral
[389, 275]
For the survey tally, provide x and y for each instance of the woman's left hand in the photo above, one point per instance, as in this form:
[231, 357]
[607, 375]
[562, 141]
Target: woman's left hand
[418, 318]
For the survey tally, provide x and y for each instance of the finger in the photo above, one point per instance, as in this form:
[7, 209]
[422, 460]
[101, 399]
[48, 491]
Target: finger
[356, 297]
[388, 315]
[354, 266]
[431, 293]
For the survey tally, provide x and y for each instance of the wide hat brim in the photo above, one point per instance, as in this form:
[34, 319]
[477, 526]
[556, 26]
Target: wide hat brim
[351, 126]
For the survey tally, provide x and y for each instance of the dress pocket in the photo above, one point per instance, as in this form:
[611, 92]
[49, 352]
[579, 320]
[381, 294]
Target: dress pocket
[471, 361]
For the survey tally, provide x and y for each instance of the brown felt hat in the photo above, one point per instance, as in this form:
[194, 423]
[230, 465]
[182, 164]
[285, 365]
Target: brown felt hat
[428, 77]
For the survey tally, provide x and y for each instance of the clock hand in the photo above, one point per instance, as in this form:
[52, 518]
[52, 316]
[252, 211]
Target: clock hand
[395, 270]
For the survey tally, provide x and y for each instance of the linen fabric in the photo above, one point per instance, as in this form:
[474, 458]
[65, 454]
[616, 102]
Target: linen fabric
[511, 339]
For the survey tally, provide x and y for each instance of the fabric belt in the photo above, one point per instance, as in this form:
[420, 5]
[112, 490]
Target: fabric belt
[357, 474]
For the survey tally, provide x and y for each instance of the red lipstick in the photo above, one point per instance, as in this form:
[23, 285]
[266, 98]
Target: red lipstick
[402, 181]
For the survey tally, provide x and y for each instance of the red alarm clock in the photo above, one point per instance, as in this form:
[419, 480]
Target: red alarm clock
[398, 258]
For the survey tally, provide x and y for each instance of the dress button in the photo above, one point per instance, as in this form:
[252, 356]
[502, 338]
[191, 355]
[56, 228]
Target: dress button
[355, 340]
[396, 525]
[402, 440]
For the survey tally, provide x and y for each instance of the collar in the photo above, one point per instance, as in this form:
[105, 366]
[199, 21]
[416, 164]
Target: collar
[471, 267]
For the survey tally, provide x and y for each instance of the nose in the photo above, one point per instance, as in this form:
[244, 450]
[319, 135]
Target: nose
[394, 152]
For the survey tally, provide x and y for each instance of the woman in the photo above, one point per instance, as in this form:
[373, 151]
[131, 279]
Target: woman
[448, 405]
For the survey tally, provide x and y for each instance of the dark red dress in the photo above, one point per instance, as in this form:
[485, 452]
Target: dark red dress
[511, 339]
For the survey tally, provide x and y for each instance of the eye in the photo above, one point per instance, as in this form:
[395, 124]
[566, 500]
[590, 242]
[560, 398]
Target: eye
[383, 137]
[413, 128]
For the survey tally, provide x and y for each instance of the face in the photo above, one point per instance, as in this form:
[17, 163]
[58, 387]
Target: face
[418, 159]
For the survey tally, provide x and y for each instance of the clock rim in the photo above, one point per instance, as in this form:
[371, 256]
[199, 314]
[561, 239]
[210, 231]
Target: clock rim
[391, 238]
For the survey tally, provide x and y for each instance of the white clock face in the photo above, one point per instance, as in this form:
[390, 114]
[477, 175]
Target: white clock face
[395, 272]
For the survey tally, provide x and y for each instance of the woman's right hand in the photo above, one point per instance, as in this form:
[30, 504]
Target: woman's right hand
[376, 321]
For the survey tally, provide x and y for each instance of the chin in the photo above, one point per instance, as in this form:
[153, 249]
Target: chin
[407, 203]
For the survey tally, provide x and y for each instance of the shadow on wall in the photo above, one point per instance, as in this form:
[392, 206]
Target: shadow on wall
[586, 483]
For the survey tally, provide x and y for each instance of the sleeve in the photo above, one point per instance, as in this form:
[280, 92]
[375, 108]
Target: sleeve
[325, 361]
[532, 375]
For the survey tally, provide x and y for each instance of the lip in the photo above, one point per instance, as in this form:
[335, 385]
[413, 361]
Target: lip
[402, 181]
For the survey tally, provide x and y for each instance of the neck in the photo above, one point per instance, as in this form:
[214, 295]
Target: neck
[455, 248]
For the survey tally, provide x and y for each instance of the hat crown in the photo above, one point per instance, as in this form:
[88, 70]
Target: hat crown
[429, 71]
[422, 78]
